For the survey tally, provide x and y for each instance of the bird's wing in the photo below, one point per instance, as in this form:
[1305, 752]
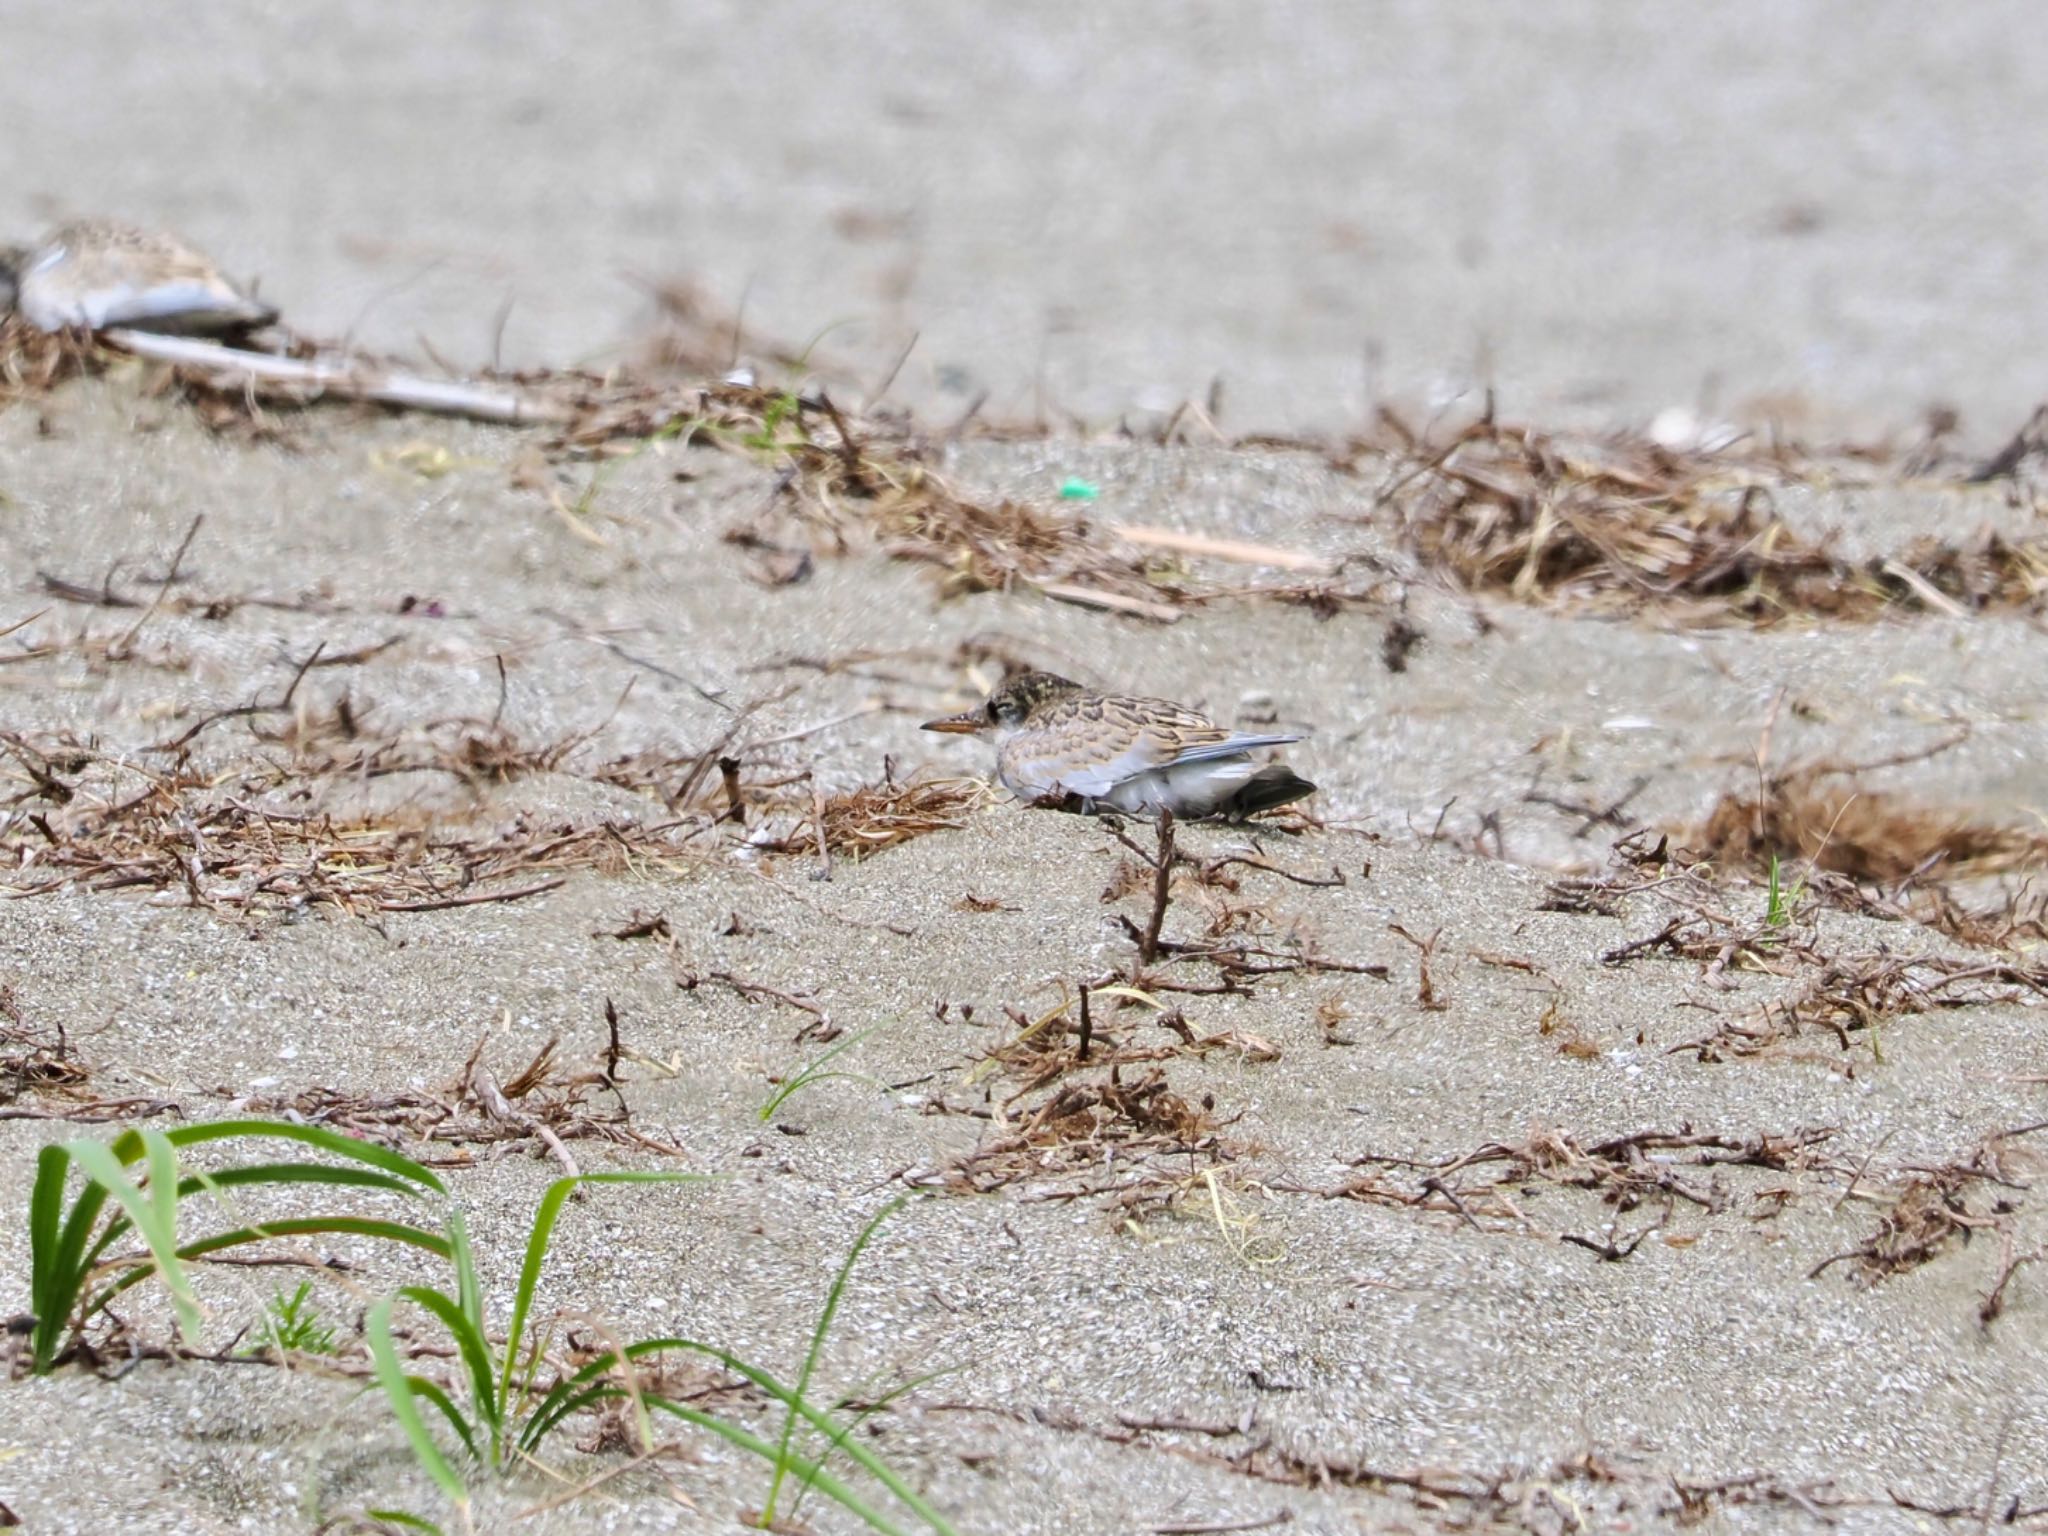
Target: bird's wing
[1155, 748]
[1229, 745]
[128, 304]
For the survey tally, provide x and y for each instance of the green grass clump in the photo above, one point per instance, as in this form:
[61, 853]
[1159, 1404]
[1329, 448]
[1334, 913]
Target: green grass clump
[513, 1399]
[73, 1273]
[293, 1325]
[1781, 903]
[512, 1395]
[814, 1072]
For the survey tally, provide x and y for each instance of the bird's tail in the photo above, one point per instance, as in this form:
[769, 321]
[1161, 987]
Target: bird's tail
[1275, 784]
[225, 313]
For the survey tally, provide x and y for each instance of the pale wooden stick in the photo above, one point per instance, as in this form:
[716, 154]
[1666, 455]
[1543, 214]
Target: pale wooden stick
[1238, 551]
[1116, 602]
[1928, 593]
[346, 378]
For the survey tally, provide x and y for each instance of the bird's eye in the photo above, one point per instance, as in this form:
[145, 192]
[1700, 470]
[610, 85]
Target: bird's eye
[995, 710]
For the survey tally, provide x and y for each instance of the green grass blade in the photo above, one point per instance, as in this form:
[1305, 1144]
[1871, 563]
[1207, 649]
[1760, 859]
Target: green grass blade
[803, 358]
[812, 1473]
[291, 1226]
[537, 1249]
[293, 1173]
[561, 1401]
[869, 1462]
[162, 1159]
[818, 1333]
[475, 1349]
[433, 1392]
[817, 1477]
[813, 1072]
[55, 1280]
[116, 1227]
[469, 1307]
[45, 1219]
[842, 1440]
[102, 1166]
[410, 1522]
[66, 1248]
[354, 1148]
[398, 1391]
[469, 1290]
[320, 1226]
[72, 1268]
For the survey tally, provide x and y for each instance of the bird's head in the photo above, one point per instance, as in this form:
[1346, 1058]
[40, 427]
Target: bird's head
[1009, 706]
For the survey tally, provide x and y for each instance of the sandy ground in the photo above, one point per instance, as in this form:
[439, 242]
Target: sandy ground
[1821, 207]
[1393, 1338]
[1096, 214]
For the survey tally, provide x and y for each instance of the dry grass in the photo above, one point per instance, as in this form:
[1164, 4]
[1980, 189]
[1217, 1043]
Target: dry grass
[1625, 525]
[1852, 996]
[1096, 1136]
[222, 837]
[1588, 1490]
[881, 815]
[1879, 853]
[34, 1059]
[872, 479]
[223, 853]
[1846, 995]
[539, 1109]
[1815, 814]
[1480, 1188]
[1834, 844]
[33, 362]
[1926, 1208]
[1619, 524]
[1242, 941]
[1066, 1121]
[838, 477]
[1919, 1224]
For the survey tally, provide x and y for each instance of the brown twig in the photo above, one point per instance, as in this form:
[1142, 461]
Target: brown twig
[245, 711]
[1425, 991]
[123, 648]
[1162, 889]
[476, 898]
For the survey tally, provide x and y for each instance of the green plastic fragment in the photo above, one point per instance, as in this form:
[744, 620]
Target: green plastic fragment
[1079, 490]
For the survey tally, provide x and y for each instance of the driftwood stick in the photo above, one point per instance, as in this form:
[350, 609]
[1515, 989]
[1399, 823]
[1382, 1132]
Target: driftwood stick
[1237, 551]
[1116, 602]
[342, 377]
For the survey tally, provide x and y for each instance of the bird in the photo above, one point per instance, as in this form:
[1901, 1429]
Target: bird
[97, 273]
[1060, 744]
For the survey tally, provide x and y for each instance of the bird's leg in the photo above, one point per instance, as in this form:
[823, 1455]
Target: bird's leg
[1060, 798]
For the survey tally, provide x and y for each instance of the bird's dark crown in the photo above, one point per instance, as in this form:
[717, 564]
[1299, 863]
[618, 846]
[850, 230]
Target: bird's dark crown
[1019, 696]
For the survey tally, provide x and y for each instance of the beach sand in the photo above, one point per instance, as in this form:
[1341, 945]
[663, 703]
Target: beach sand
[1586, 1289]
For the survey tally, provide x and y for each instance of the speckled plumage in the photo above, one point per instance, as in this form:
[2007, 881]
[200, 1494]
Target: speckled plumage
[1058, 743]
[96, 273]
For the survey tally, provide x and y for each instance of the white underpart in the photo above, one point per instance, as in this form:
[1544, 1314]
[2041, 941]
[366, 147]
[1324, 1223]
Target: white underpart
[123, 304]
[1196, 783]
[49, 303]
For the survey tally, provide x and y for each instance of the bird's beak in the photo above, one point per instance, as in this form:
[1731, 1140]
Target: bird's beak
[971, 723]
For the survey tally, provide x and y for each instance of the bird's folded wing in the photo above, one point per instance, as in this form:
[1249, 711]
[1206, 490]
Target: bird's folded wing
[130, 303]
[1225, 746]
[1145, 749]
